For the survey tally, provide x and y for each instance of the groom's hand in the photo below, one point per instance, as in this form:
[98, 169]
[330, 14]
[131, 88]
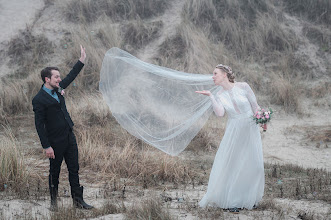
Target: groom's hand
[82, 54]
[50, 153]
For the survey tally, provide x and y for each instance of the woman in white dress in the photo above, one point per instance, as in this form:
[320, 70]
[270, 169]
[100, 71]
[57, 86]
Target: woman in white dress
[237, 176]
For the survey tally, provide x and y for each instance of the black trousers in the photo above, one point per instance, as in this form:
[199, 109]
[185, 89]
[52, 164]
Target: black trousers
[68, 150]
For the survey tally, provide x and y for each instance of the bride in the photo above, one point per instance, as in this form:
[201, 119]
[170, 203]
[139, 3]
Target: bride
[237, 176]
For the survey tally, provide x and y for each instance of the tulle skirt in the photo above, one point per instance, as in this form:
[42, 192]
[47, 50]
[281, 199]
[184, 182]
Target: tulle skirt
[237, 175]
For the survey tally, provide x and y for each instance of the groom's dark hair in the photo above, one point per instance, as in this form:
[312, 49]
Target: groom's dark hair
[47, 72]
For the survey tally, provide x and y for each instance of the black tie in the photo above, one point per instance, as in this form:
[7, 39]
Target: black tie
[53, 91]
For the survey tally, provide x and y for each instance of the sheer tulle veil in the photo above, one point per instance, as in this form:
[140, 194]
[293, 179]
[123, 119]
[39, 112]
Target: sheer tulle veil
[155, 104]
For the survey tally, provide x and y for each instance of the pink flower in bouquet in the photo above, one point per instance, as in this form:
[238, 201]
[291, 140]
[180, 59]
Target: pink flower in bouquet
[267, 116]
[258, 116]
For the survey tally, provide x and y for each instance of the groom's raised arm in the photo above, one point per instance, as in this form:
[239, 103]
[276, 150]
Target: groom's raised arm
[75, 70]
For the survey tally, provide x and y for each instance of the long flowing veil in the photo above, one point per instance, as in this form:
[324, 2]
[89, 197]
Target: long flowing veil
[155, 104]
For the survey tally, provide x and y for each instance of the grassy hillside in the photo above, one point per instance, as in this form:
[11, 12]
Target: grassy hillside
[281, 48]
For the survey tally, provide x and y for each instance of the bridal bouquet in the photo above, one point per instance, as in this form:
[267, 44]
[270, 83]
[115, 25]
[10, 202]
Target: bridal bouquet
[262, 116]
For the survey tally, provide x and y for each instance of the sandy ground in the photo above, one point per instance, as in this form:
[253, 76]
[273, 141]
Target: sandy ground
[15, 15]
[284, 142]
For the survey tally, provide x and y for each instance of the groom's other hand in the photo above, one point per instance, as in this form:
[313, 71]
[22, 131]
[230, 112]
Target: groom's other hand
[50, 153]
[82, 54]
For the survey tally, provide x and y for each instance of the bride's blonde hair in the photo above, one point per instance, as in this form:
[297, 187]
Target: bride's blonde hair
[228, 71]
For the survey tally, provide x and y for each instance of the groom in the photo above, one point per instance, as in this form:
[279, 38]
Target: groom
[55, 130]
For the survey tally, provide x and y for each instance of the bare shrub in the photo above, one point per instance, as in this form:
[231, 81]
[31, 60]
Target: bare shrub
[148, 209]
[28, 51]
[138, 33]
[315, 11]
[89, 11]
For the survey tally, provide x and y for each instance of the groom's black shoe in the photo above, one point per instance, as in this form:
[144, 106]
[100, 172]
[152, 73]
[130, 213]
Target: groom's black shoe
[234, 210]
[53, 191]
[77, 196]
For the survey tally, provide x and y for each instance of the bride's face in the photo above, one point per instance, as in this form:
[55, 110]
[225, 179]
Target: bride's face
[219, 76]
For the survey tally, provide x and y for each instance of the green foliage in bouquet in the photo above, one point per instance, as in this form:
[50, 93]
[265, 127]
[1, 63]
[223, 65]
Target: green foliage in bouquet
[262, 116]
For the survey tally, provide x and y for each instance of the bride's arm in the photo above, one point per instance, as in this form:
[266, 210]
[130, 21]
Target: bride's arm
[217, 105]
[251, 97]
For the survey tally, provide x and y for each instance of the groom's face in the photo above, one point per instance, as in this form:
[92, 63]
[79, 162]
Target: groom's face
[55, 79]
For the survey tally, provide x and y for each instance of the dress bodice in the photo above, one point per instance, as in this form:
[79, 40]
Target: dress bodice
[239, 101]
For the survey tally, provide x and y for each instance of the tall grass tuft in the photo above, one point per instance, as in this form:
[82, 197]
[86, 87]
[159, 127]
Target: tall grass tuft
[148, 209]
[285, 93]
[88, 11]
[128, 158]
[16, 96]
[13, 173]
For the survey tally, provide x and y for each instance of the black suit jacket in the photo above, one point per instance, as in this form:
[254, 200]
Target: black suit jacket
[52, 120]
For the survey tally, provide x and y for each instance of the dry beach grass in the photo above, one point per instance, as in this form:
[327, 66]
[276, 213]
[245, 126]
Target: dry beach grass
[128, 179]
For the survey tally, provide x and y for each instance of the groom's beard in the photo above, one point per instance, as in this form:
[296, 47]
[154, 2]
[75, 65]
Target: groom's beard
[55, 87]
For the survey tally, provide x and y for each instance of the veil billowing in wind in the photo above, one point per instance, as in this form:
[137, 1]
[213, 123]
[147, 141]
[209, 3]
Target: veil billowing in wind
[155, 104]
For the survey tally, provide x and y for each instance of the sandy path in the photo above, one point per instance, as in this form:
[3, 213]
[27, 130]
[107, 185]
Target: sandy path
[15, 15]
[171, 19]
[285, 142]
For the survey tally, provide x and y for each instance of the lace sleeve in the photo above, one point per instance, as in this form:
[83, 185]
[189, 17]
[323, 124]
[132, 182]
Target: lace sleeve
[217, 106]
[251, 97]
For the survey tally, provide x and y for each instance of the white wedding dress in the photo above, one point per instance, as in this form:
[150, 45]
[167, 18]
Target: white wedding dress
[237, 175]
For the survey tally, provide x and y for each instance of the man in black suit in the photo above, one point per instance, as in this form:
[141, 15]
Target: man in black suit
[55, 129]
